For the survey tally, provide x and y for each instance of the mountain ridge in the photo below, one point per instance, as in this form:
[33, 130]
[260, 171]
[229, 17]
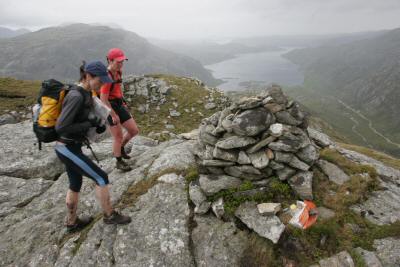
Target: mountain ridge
[57, 52]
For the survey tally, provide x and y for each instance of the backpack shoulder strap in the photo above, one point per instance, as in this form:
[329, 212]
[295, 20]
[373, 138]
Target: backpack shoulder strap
[114, 81]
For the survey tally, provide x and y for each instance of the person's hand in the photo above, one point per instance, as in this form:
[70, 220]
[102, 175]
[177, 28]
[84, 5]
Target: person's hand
[95, 121]
[100, 129]
[115, 118]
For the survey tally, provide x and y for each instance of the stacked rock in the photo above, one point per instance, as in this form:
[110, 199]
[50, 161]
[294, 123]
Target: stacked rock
[257, 138]
[152, 89]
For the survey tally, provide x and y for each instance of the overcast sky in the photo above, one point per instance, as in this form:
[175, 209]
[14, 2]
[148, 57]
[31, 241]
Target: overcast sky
[185, 19]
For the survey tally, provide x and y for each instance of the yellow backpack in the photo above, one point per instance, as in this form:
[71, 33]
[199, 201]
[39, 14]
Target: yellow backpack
[48, 109]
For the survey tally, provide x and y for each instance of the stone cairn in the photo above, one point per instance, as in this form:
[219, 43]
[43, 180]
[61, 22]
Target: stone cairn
[253, 140]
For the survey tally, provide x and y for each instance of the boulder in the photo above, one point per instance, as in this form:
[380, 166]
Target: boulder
[259, 159]
[246, 172]
[334, 173]
[308, 154]
[211, 184]
[216, 242]
[269, 208]
[252, 122]
[198, 198]
[225, 154]
[269, 227]
[388, 251]
[218, 208]
[301, 183]
[235, 142]
[369, 257]
[342, 259]
[320, 138]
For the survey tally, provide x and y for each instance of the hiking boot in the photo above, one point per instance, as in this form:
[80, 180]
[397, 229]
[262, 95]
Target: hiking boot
[79, 224]
[123, 153]
[123, 166]
[116, 218]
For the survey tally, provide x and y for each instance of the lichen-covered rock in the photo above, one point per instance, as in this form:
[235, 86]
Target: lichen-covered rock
[17, 192]
[21, 156]
[269, 227]
[161, 240]
[381, 207]
[218, 243]
[342, 259]
[308, 154]
[259, 159]
[369, 257]
[235, 142]
[245, 172]
[211, 184]
[301, 183]
[320, 138]
[198, 198]
[334, 173]
[252, 122]
[388, 251]
[218, 208]
[225, 154]
[176, 157]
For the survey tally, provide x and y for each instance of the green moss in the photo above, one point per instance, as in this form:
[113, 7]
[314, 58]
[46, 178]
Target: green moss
[346, 165]
[17, 94]
[259, 252]
[380, 156]
[363, 180]
[191, 174]
[357, 258]
[346, 230]
[278, 191]
[339, 235]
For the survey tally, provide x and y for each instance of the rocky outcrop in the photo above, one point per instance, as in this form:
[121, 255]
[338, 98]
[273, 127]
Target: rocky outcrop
[173, 222]
[342, 259]
[250, 140]
[21, 156]
[33, 211]
[381, 207]
[334, 173]
[154, 92]
[388, 251]
[269, 226]
[217, 243]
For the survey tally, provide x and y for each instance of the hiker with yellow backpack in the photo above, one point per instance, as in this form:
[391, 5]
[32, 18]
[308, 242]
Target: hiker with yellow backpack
[70, 132]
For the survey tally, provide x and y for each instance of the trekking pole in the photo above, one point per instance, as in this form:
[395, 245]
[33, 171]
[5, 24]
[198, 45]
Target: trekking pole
[91, 150]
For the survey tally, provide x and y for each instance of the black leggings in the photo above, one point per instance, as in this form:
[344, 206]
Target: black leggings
[78, 164]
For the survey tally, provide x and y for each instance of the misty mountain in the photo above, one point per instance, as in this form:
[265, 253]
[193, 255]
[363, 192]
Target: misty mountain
[57, 52]
[8, 33]
[308, 40]
[208, 52]
[364, 74]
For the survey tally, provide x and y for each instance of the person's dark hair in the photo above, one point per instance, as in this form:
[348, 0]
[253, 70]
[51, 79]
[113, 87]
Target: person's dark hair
[82, 71]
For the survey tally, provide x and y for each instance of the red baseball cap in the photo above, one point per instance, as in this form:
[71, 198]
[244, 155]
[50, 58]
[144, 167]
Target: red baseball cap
[116, 54]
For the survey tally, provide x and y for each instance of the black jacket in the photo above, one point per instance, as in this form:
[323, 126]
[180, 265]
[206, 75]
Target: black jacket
[73, 124]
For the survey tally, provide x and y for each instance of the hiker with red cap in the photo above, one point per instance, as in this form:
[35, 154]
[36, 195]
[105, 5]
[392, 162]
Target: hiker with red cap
[111, 94]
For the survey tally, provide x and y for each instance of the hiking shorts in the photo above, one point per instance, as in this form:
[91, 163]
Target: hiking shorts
[121, 110]
[77, 165]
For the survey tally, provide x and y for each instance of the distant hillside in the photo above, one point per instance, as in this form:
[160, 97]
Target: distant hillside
[8, 33]
[363, 75]
[308, 40]
[58, 51]
[210, 52]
